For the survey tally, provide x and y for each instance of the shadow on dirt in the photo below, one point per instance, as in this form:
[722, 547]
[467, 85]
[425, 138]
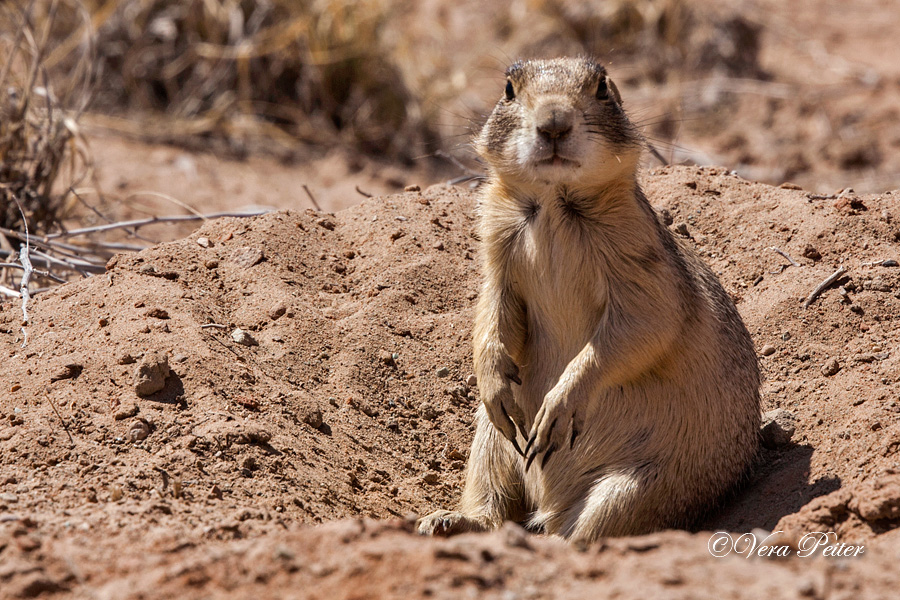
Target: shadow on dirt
[172, 393]
[778, 486]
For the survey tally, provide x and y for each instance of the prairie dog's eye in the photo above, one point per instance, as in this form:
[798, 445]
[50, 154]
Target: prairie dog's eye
[510, 92]
[603, 90]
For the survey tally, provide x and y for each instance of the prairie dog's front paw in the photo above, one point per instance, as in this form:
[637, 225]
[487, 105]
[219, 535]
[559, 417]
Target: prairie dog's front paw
[502, 409]
[558, 415]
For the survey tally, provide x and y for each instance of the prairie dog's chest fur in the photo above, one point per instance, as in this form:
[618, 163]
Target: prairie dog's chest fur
[556, 264]
[564, 254]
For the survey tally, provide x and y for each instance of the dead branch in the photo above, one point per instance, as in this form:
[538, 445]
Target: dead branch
[824, 286]
[27, 270]
[311, 197]
[784, 254]
[37, 272]
[151, 221]
[61, 420]
[8, 292]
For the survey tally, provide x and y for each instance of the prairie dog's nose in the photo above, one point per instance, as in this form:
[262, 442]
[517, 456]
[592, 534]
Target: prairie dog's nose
[553, 121]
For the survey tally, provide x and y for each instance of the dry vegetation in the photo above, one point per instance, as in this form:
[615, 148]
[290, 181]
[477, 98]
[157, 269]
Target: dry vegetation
[40, 158]
[246, 76]
[256, 74]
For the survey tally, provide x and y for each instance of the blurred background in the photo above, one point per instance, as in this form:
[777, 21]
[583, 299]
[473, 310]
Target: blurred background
[128, 109]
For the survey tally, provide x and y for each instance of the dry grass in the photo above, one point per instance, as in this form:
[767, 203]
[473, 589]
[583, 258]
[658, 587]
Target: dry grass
[255, 75]
[40, 154]
[374, 75]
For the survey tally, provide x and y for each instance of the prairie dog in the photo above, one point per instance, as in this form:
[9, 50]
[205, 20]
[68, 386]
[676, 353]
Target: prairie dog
[619, 386]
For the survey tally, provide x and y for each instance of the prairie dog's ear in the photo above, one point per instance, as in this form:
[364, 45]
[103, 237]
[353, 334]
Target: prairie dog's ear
[614, 91]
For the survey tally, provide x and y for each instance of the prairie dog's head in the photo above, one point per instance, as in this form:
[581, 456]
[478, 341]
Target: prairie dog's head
[559, 121]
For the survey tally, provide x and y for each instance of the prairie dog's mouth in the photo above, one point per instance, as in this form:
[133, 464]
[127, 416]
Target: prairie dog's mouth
[558, 161]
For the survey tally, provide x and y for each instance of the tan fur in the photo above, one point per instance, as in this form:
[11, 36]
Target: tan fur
[638, 402]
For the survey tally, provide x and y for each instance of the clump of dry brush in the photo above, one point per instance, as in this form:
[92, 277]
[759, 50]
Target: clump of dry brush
[40, 154]
[256, 74]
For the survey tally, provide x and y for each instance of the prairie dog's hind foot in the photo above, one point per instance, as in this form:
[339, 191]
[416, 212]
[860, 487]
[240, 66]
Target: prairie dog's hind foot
[448, 522]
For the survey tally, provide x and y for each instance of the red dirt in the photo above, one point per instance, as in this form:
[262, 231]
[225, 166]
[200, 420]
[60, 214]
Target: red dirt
[294, 468]
[340, 413]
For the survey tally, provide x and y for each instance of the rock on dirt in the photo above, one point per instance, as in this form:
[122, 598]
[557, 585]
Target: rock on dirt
[67, 371]
[831, 367]
[243, 338]
[151, 373]
[778, 427]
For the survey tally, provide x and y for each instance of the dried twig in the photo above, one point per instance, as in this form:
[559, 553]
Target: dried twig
[312, 198]
[362, 193]
[784, 254]
[824, 286]
[61, 420]
[37, 272]
[151, 221]
[8, 292]
[27, 270]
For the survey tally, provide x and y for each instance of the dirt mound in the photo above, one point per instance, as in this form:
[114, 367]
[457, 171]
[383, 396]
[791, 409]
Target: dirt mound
[317, 370]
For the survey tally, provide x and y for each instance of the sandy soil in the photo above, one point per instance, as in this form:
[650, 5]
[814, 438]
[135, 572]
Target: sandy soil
[351, 403]
[294, 466]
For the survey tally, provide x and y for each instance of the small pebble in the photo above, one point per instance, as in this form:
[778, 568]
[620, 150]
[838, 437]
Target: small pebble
[242, 337]
[778, 427]
[115, 493]
[311, 415]
[471, 381]
[150, 374]
[889, 263]
[203, 241]
[831, 367]
[126, 412]
[811, 253]
[428, 412]
[387, 358]
[767, 350]
[138, 431]
[277, 311]
[442, 372]
[69, 371]
[246, 257]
